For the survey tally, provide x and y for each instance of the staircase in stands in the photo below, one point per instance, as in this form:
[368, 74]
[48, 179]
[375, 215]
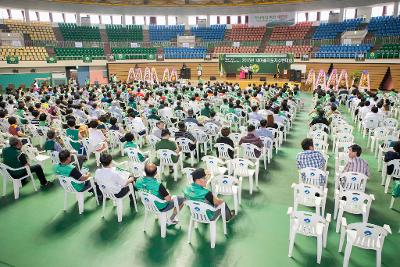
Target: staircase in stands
[106, 44]
[264, 40]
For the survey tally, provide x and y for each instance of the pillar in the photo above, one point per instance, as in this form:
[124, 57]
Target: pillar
[341, 15]
[27, 19]
[78, 18]
[123, 20]
[208, 20]
[396, 8]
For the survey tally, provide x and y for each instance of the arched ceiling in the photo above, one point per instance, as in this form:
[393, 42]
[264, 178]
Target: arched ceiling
[178, 7]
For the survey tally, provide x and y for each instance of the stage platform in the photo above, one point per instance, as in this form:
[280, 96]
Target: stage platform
[243, 83]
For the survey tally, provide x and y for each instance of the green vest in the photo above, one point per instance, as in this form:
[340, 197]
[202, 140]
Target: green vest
[133, 145]
[73, 134]
[49, 145]
[66, 170]
[198, 193]
[10, 158]
[150, 185]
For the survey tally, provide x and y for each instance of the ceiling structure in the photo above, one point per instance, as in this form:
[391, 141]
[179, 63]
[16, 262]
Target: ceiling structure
[133, 7]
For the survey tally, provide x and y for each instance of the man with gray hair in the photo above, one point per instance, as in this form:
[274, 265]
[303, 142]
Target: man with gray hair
[14, 158]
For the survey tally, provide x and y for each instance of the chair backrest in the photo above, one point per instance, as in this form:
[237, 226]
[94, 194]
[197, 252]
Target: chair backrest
[318, 135]
[180, 114]
[198, 210]
[320, 145]
[54, 157]
[191, 126]
[114, 137]
[133, 154]
[241, 167]
[200, 135]
[367, 235]
[370, 123]
[313, 176]
[391, 123]
[268, 142]
[165, 156]
[188, 172]
[4, 172]
[307, 223]
[66, 183]
[212, 163]
[355, 202]
[380, 133]
[344, 137]
[344, 128]
[255, 123]
[107, 192]
[236, 138]
[223, 150]
[223, 184]
[396, 167]
[149, 200]
[184, 143]
[137, 168]
[352, 181]
[307, 195]
[249, 150]
[152, 139]
[211, 128]
[319, 127]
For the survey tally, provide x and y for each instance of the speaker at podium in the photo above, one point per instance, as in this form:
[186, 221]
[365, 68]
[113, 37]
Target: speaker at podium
[185, 73]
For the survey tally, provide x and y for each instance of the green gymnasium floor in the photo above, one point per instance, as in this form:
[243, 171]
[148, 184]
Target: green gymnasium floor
[34, 231]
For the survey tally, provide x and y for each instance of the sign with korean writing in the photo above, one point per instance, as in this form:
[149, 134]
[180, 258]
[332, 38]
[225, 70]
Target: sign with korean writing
[270, 19]
[259, 63]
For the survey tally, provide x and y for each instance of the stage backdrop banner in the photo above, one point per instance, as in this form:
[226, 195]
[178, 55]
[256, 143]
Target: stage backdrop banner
[260, 63]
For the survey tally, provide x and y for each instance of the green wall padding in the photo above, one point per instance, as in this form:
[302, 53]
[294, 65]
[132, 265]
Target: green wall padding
[21, 78]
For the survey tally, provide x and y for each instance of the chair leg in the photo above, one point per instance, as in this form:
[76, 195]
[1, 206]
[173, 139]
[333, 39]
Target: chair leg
[388, 180]
[392, 202]
[145, 220]
[235, 201]
[163, 224]
[378, 258]
[4, 186]
[291, 241]
[119, 209]
[319, 248]
[79, 198]
[65, 201]
[175, 172]
[190, 230]
[339, 220]
[104, 207]
[347, 253]
[213, 233]
[16, 184]
[384, 174]
[251, 184]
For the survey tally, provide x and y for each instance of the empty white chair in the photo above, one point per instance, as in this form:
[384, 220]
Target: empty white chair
[184, 143]
[249, 152]
[363, 235]
[378, 136]
[150, 205]
[152, 140]
[267, 150]
[354, 202]
[395, 174]
[16, 182]
[67, 184]
[313, 176]
[310, 196]
[165, 156]
[213, 165]
[227, 185]
[188, 172]
[241, 168]
[201, 139]
[201, 212]
[308, 224]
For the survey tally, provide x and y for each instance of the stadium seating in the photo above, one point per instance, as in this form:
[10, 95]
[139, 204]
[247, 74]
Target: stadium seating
[73, 32]
[246, 33]
[385, 26]
[178, 52]
[297, 50]
[296, 32]
[214, 32]
[388, 51]
[134, 53]
[342, 51]
[35, 30]
[24, 53]
[79, 53]
[332, 30]
[235, 50]
[117, 33]
[165, 33]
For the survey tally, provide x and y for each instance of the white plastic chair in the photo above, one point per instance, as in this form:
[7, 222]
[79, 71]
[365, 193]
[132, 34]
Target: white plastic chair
[198, 211]
[34, 155]
[90, 149]
[249, 151]
[267, 150]
[223, 153]
[16, 182]
[354, 202]
[184, 144]
[114, 138]
[227, 185]
[351, 181]
[310, 196]
[201, 139]
[378, 136]
[241, 168]
[390, 123]
[395, 174]
[188, 172]
[363, 235]
[313, 176]
[118, 202]
[319, 127]
[308, 224]
[66, 184]
[165, 156]
[213, 165]
[152, 140]
[149, 201]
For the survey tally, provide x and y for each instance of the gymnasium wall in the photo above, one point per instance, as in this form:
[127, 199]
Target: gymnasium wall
[21, 78]
[376, 71]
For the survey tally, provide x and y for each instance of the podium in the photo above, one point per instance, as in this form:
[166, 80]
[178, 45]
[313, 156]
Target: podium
[185, 73]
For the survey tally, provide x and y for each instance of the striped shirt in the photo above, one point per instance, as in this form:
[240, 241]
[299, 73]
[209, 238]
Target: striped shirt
[357, 165]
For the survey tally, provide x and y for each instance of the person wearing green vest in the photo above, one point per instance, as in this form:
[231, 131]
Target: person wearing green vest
[206, 110]
[74, 135]
[51, 144]
[150, 184]
[197, 191]
[166, 143]
[128, 138]
[14, 158]
[66, 168]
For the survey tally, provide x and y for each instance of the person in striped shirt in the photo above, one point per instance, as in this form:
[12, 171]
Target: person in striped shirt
[355, 163]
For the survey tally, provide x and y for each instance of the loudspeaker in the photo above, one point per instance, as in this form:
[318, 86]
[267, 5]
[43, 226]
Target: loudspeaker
[213, 78]
[263, 79]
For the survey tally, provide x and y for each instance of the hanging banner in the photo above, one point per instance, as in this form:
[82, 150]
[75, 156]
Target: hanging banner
[138, 74]
[311, 77]
[259, 63]
[120, 57]
[51, 60]
[321, 80]
[364, 81]
[174, 75]
[343, 81]
[166, 75]
[87, 59]
[153, 75]
[147, 74]
[270, 19]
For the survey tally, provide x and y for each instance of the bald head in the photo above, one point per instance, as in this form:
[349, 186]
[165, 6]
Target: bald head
[150, 169]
